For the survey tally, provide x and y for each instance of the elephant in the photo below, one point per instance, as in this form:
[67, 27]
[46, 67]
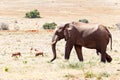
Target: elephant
[78, 35]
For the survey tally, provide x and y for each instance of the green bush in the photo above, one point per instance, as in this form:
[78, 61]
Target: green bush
[49, 25]
[33, 14]
[84, 20]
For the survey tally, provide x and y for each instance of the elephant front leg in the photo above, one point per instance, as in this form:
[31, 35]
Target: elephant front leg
[68, 49]
[79, 52]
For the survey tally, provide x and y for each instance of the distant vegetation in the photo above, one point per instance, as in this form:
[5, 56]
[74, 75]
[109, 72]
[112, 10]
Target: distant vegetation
[84, 20]
[49, 25]
[33, 14]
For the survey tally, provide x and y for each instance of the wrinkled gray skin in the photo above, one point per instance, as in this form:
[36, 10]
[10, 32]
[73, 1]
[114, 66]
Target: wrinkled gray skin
[80, 35]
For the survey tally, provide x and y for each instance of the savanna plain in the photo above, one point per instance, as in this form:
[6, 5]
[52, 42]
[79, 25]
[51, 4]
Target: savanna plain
[30, 34]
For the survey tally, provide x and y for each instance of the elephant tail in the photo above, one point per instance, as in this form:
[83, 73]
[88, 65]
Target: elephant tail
[110, 36]
[111, 39]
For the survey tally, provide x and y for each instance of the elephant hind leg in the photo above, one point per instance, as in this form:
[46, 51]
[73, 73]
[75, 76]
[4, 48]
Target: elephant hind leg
[108, 58]
[101, 47]
[103, 57]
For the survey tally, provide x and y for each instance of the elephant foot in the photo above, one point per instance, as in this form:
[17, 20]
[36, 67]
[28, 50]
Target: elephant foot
[103, 61]
[108, 58]
[81, 59]
[67, 57]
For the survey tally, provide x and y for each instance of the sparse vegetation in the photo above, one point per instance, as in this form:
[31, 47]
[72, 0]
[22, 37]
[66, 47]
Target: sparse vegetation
[6, 69]
[28, 67]
[104, 74]
[91, 63]
[25, 62]
[69, 76]
[84, 20]
[72, 65]
[76, 66]
[33, 14]
[49, 25]
[89, 74]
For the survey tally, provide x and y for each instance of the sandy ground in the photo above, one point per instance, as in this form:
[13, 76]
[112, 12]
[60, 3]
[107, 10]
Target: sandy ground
[29, 67]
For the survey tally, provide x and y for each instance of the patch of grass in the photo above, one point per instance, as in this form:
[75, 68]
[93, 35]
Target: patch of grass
[101, 75]
[99, 78]
[116, 58]
[104, 74]
[89, 74]
[25, 62]
[69, 76]
[6, 69]
[72, 65]
[76, 65]
[91, 63]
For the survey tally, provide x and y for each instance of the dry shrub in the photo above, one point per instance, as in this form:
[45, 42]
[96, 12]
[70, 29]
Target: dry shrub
[4, 26]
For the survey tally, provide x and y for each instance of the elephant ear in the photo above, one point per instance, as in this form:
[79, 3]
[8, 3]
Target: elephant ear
[67, 29]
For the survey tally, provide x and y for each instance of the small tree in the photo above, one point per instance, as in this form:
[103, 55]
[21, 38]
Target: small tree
[49, 25]
[33, 14]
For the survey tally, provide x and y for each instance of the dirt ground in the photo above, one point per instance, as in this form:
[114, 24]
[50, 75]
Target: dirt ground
[29, 67]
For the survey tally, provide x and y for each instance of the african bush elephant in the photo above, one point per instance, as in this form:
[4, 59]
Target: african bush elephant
[80, 35]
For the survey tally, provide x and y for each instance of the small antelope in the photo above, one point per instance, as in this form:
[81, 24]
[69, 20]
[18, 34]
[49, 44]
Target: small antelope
[16, 54]
[38, 53]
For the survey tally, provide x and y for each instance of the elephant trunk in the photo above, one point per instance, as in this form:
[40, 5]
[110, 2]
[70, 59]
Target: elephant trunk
[54, 41]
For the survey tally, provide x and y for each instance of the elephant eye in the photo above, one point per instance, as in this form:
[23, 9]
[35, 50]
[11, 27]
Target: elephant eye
[60, 28]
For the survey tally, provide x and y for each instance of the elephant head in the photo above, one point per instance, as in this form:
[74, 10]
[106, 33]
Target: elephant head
[61, 33]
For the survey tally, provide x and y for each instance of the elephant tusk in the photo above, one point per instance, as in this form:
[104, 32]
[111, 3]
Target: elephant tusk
[53, 42]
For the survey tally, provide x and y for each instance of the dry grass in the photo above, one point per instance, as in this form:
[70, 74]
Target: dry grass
[34, 68]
